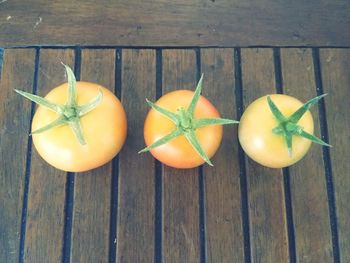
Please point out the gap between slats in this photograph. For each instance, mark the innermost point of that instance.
(1, 59)
(201, 191)
(158, 226)
(115, 169)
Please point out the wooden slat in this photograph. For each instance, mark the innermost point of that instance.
(135, 230)
(222, 187)
(17, 72)
(307, 177)
(180, 186)
(335, 64)
(268, 233)
(92, 193)
(183, 22)
(46, 197)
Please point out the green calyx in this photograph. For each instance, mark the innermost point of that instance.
(186, 124)
(288, 127)
(68, 114)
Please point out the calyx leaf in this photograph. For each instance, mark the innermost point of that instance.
(186, 124)
(68, 114)
(288, 127)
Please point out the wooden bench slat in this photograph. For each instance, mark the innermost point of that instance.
(180, 186)
(268, 229)
(17, 73)
(335, 65)
(92, 190)
(177, 23)
(46, 197)
(307, 177)
(224, 232)
(135, 230)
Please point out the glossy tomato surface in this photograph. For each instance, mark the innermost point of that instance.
(104, 129)
(261, 144)
(178, 152)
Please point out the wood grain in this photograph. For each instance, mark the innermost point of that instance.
(176, 23)
(268, 233)
(135, 230)
(307, 177)
(335, 64)
(92, 193)
(222, 187)
(180, 186)
(17, 72)
(46, 197)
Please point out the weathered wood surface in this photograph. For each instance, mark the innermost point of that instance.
(307, 177)
(15, 115)
(46, 194)
(137, 210)
(163, 23)
(335, 66)
(268, 224)
(180, 204)
(92, 190)
(135, 229)
(222, 186)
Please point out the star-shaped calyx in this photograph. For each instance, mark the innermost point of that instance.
(68, 114)
(186, 124)
(288, 127)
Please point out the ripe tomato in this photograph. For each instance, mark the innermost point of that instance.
(264, 137)
(198, 129)
(178, 152)
(103, 129)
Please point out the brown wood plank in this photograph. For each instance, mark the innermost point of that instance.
(180, 186)
(307, 177)
(17, 72)
(46, 197)
(92, 193)
(268, 233)
(335, 64)
(176, 23)
(222, 187)
(135, 229)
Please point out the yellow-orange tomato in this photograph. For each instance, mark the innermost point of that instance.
(261, 144)
(104, 130)
(178, 152)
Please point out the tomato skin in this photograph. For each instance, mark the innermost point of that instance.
(179, 153)
(104, 129)
(261, 144)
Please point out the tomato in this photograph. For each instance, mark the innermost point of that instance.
(184, 151)
(103, 129)
(179, 153)
(263, 132)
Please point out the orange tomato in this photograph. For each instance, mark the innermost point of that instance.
(104, 129)
(178, 152)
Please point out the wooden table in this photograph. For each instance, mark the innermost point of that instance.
(134, 209)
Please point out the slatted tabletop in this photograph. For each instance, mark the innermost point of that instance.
(135, 209)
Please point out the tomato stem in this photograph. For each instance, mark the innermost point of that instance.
(186, 124)
(71, 112)
(288, 127)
